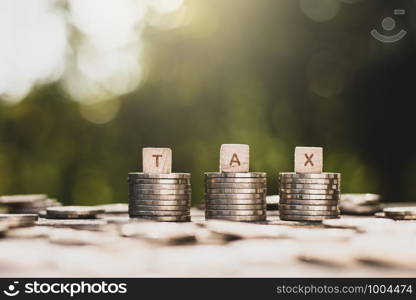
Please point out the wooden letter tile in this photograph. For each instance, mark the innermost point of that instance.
(308, 159)
(234, 158)
(157, 160)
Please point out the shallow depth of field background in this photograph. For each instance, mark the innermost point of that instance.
(84, 85)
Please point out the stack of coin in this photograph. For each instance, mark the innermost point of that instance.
(400, 213)
(360, 204)
(28, 204)
(160, 197)
(235, 196)
(309, 196)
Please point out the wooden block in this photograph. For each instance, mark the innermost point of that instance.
(234, 158)
(157, 160)
(308, 159)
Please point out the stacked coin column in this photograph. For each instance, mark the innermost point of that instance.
(157, 194)
(235, 194)
(308, 194)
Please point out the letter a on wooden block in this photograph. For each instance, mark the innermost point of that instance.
(308, 159)
(157, 160)
(234, 158)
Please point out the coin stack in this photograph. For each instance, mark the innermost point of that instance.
(160, 197)
(235, 196)
(309, 196)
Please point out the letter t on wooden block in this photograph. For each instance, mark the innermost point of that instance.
(157, 160)
(308, 159)
(234, 158)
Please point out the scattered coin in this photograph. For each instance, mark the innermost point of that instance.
(73, 212)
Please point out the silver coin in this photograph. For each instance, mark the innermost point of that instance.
(234, 180)
(165, 218)
(140, 197)
(310, 175)
(159, 181)
(252, 212)
(236, 191)
(160, 207)
(161, 186)
(160, 213)
(134, 175)
(162, 192)
(235, 207)
(309, 181)
(161, 202)
(305, 218)
(307, 212)
(235, 175)
(400, 211)
(309, 186)
(70, 212)
(235, 186)
(10, 199)
(234, 201)
(401, 217)
(18, 220)
(308, 192)
(333, 197)
(235, 196)
(238, 218)
(308, 207)
(360, 199)
(308, 202)
(85, 224)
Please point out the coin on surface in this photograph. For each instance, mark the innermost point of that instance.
(73, 212)
(9, 199)
(400, 211)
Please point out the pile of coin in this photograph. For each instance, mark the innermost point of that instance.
(235, 196)
(160, 197)
(360, 204)
(309, 197)
(27, 204)
(400, 213)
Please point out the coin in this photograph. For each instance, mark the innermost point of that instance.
(135, 175)
(309, 192)
(308, 212)
(166, 218)
(360, 199)
(234, 180)
(234, 201)
(323, 175)
(162, 192)
(252, 212)
(309, 186)
(401, 217)
(140, 197)
(238, 218)
(8, 199)
(159, 181)
(161, 202)
(161, 186)
(160, 213)
(161, 207)
(235, 175)
(308, 202)
(73, 212)
(309, 181)
(308, 207)
(288, 217)
(235, 207)
(236, 191)
(235, 185)
(236, 196)
(18, 220)
(309, 197)
(85, 224)
(400, 211)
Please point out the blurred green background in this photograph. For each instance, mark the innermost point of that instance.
(273, 74)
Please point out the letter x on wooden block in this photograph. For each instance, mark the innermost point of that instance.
(234, 158)
(157, 160)
(308, 159)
